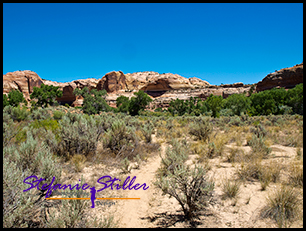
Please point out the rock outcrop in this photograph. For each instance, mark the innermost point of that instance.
(68, 88)
(112, 82)
(161, 87)
(24, 81)
(286, 77)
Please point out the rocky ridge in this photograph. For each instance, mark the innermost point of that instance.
(286, 77)
(161, 87)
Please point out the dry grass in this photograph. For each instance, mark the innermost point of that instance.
(283, 206)
(230, 188)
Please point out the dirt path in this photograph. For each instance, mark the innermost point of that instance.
(133, 212)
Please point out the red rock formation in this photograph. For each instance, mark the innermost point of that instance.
(22, 80)
(112, 82)
(286, 77)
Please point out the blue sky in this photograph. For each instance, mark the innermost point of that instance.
(219, 43)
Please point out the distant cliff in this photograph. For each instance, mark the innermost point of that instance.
(161, 87)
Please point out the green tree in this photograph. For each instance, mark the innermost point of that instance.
(94, 100)
(139, 102)
(238, 103)
(44, 95)
(14, 98)
(214, 103)
(294, 98)
(178, 107)
(262, 103)
(122, 103)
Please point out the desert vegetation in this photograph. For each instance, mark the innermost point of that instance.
(234, 162)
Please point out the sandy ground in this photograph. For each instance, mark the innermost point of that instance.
(157, 210)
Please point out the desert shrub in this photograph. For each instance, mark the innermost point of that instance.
(17, 205)
(258, 130)
(126, 168)
(78, 161)
(282, 206)
(78, 135)
(235, 121)
(235, 155)
(40, 114)
(118, 137)
(17, 113)
(258, 146)
(230, 188)
(72, 214)
(57, 115)
(147, 130)
(21, 209)
(295, 175)
(250, 170)
(190, 187)
(201, 130)
(10, 130)
(174, 156)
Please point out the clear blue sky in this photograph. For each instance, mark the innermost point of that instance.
(219, 43)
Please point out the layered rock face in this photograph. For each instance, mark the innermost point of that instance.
(286, 77)
(24, 81)
(112, 82)
(161, 87)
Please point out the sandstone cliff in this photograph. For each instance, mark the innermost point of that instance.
(161, 87)
(21, 80)
(286, 77)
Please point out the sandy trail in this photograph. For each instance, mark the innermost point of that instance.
(133, 212)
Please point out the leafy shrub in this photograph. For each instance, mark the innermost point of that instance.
(45, 95)
(14, 98)
(238, 103)
(138, 103)
(94, 100)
